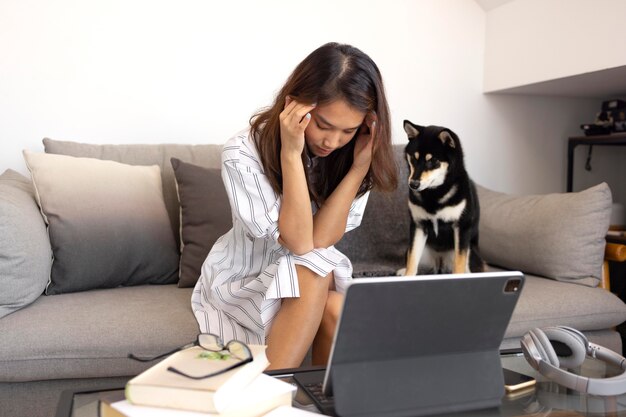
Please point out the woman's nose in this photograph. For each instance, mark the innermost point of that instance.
(331, 141)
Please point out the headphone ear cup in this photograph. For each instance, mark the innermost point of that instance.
(544, 347)
(575, 342)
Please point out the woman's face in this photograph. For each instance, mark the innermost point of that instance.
(332, 126)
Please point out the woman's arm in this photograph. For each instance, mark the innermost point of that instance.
(295, 220)
(329, 223)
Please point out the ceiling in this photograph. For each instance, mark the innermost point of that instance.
(491, 4)
(605, 84)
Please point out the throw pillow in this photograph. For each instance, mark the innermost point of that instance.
(204, 216)
(559, 236)
(146, 154)
(25, 253)
(107, 223)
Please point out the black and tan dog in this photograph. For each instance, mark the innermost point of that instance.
(443, 204)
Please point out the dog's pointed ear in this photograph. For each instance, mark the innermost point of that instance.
(412, 130)
(447, 139)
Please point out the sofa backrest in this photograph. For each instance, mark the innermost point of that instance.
(379, 245)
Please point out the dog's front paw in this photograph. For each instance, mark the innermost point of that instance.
(401, 272)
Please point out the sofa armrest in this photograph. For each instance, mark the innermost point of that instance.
(615, 252)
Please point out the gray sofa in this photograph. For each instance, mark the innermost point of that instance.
(79, 339)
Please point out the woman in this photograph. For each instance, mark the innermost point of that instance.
(297, 180)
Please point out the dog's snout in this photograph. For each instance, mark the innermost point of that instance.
(414, 185)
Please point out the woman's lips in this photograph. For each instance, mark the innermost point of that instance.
(324, 152)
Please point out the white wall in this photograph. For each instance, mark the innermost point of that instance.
(533, 41)
(530, 41)
(193, 71)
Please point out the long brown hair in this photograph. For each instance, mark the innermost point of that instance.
(331, 72)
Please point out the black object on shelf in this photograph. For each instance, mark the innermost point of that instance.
(611, 119)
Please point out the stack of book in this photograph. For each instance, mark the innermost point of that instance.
(241, 392)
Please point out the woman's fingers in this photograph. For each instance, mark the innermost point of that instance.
(296, 114)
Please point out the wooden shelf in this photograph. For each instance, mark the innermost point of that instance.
(614, 139)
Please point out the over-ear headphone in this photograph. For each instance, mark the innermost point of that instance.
(540, 348)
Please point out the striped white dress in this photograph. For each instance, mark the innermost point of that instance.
(247, 271)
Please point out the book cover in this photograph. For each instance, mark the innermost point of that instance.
(159, 387)
(261, 396)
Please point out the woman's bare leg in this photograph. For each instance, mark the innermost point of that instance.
(297, 321)
(324, 337)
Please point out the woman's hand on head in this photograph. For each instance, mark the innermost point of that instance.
(365, 143)
(294, 119)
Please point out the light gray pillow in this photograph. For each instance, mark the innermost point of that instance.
(559, 236)
(107, 223)
(25, 253)
(205, 155)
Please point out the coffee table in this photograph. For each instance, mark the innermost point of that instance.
(545, 399)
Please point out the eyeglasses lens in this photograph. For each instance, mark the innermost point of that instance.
(210, 342)
(239, 350)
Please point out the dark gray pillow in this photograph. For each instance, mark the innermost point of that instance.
(107, 223)
(25, 253)
(204, 216)
(559, 236)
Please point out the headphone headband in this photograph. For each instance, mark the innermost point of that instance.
(539, 352)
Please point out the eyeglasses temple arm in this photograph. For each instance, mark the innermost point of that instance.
(144, 359)
(221, 371)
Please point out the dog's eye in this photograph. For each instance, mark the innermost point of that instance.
(432, 164)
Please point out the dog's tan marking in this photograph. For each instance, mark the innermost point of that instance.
(443, 200)
(434, 178)
(429, 156)
(461, 258)
(415, 252)
(411, 169)
(417, 155)
(461, 262)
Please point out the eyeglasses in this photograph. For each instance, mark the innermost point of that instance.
(211, 343)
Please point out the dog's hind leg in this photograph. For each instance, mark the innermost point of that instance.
(461, 254)
(414, 254)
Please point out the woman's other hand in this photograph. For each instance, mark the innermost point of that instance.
(365, 143)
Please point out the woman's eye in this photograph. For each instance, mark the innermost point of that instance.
(320, 127)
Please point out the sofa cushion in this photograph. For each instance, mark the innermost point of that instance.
(204, 216)
(25, 253)
(150, 154)
(559, 236)
(107, 223)
(149, 320)
(93, 332)
(544, 302)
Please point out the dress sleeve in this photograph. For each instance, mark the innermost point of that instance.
(355, 215)
(252, 199)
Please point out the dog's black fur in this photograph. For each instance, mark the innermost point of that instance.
(443, 204)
